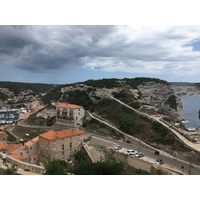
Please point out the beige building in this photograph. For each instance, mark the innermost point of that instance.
(60, 145)
(69, 114)
(27, 152)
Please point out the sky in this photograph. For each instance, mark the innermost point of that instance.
(63, 54)
(103, 40)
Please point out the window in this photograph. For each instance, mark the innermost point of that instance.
(63, 140)
(63, 146)
(30, 147)
(63, 153)
(54, 148)
(79, 142)
(21, 154)
(70, 145)
(54, 142)
(70, 138)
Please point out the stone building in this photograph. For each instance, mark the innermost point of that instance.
(60, 145)
(27, 152)
(69, 114)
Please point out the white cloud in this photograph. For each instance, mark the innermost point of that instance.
(141, 49)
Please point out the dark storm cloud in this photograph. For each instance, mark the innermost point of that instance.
(14, 38)
(109, 48)
(41, 48)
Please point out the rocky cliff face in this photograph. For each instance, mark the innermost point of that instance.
(161, 96)
(186, 88)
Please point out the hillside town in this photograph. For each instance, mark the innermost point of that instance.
(51, 144)
(59, 129)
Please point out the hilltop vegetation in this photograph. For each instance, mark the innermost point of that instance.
(18, 87)
(55, 94)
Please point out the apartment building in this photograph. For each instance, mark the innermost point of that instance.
(60, 145)
(69, 114)
(27, 152)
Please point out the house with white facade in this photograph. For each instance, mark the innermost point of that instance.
(69, 114)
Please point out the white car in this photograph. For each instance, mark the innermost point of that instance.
(118, 147)
(131, 152)
(159, 161)
(139, 154)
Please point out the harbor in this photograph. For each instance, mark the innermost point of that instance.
(8, 116)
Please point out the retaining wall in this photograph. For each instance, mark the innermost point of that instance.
(30, 167)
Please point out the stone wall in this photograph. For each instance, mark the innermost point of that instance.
(30, 167)
(97, 141)
(132, 161)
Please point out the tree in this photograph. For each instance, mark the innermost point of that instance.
(99, 168)
(55, 167)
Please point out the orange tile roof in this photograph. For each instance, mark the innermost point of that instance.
(2, 144)
(11, 146)
(5, 146)
(67, 105)
(1, 133)
(52, 135)
(34, 140)
(13, 152)
(35, 155)
(18, 157)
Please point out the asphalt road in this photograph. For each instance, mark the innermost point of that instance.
(169, 161)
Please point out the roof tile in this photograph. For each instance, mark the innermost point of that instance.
(52, 135)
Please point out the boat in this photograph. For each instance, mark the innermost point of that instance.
(184, 121)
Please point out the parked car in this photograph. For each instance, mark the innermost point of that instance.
(118, 147)
(159, 161)
(157, 152)
(139, 154)
(131, 152)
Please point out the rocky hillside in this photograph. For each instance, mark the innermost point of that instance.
(184, 88)
(149, 95)
(139, 92)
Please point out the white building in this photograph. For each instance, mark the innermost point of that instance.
(69, 114)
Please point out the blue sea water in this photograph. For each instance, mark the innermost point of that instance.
(191, 106)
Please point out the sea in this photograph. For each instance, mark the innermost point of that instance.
(191, 107)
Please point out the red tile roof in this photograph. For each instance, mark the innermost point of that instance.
(52, 135)
(1, 133)
(34, 140)
(67, 105)
(18, 157)
(35, 155)
(5, 146)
